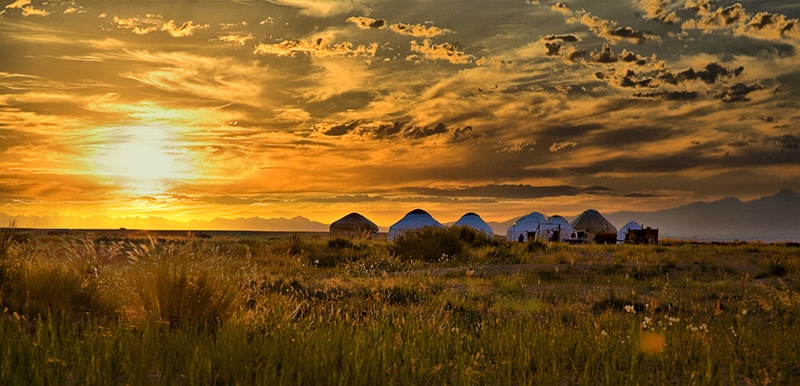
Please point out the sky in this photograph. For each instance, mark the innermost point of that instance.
(203, 109)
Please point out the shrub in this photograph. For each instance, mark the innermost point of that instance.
(429, 244)
(472, 237)
(6, 242)
(536, 245)
(340, 243)
(774, 268)
(58, 291)
(57, 279)
(188, 285)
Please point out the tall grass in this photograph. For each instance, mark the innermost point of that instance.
(257, 311)
(188, 284)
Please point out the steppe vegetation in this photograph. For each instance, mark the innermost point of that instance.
(434, 307)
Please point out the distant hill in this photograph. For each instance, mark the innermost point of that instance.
(295, 224)
(770, 218)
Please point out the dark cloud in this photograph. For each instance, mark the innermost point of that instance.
(743, 142)
(566, 52)
(566, 38)
(669, 95)
(553, 48)
(575, 54)
(417, 132)
(345, 198)
(605, 55)
(629, 33)
(786, 141)
(631, 80)
(404, 129)
(515, 191)
(642, 195)
(462, 135)
(707, 157)
(630, 57)
(607, 29)
(738, 92)
(710, 74)
(389, 130)
(340, 130)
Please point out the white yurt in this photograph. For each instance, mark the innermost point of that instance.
(415, 219)
(527, 223)
(592, 222)
(624, 230)
(559, 226)
(353, 225)
(474, 221)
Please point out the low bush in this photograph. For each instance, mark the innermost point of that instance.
(186, 285)
(429, 244)
(56, 290)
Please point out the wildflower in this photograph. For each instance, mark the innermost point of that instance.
(629, 309)
(744, 311)
(603, 333)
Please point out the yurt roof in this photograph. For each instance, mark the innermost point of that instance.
(631, 225)
(593, 222)
(534, 217)
(555, 222)
(624, 230)
(354, 221)
(417, 218)
(475, 221)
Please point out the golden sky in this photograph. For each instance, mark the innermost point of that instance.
(195, 110)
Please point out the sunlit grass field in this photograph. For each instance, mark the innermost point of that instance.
(434, 307)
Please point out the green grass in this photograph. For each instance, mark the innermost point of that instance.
(270, 312)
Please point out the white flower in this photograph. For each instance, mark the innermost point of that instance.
(629, 309)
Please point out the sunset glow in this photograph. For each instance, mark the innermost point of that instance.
(143, 160)
(282, 108)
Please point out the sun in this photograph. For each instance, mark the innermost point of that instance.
(143, 159)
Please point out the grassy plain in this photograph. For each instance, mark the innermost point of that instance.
(437, 307)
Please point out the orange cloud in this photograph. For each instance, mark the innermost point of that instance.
(319, 47)
(417, 30)
(443, 51)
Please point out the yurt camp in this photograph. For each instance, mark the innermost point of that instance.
(415, 219)
(592, 226)
(528, 223)
(475, 221)
(353, 225)
(556, 228)
(623, 232)
(633, 233)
